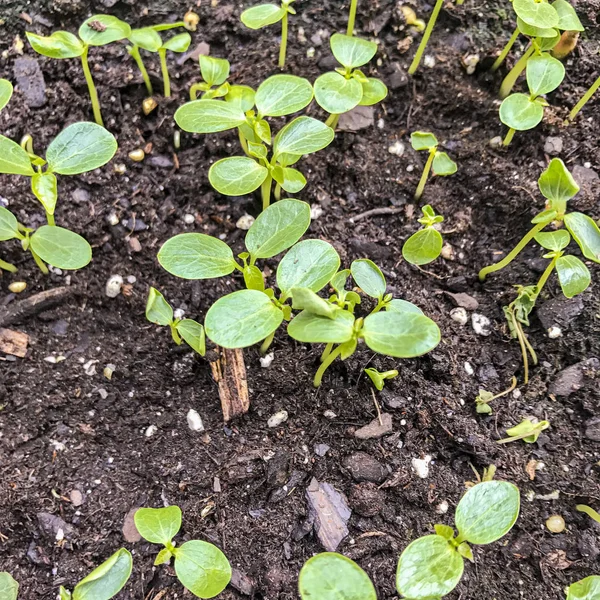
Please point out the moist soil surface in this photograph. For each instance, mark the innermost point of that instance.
(68, 435)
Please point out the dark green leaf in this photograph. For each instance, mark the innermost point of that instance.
(105, 582)
(13, 159)
(351, 51)
(209, 116)
(586, 233)
(44, 187)
(6, 91)
(368, 277)
(215, 71)
(586, 589)
(282, 95)
(423, 247)
(146, 38)
(236, 175)
(262, 15)
(178, 43)
(9, 226)
(158, 525)
(61, 248)
(303, 135)
(553, 240)
(544, 74)
(193, 335)
(61, 44)
(313, 329)
(158, 310)
(573, 276)
(100, 30)
(373, 91)
(422, 140)
(556, 183)
(336, 94)
(521, 113)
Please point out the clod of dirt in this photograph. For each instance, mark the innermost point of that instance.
(398, 77)
(363, 467)
(367, 499)
(30, 80)
(573, 378)
(592, 429)
(463, 300)
(54, 527)
(356, 119)
(242, 583)
(376, 428)
(560, 311)
(130, 532)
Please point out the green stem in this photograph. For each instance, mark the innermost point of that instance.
(134, 52)
(509, 137)
(506, 50)
(266, 344)
(585, 99)
(332, 121)
(91, 87)
(521, 337)
(327, 351)
(50, 219)
(194, 91)
(513, 253)
(430, 25)
(545, 275)
(284, 36)
(352, 17)
(324, 366)
(277, 192)
(243, 142)
(509, 81)
(6, 266)
(39, 262)
(167, 26)
(175, 335)
(425, 175)
(162, 54)
(265, 192)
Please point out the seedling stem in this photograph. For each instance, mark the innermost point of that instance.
(265, 192)
(325, 365)
(91, 87)
(162, 54)
(585, 99)
(39, 262)
(425, 175)
(332, 121)
(430, 25)
(266, 344)
(352, 17)
(509, 137)
(134, 52)
(167, 26)
(7, 266)
(515, 72)
(506, 50)
(284, 36)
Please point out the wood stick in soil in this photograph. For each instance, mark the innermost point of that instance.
(229, 372)
(23, 309)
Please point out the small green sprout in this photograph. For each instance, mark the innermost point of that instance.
(425, 245)
(178, 43)
(264, 15)
(200, 566)
(9, 588)
(589, 511)
(584, 100)
(586, 589)
(215, 72)
(104, 582)
(432, 566)
(160, 312)
(332, 576)
(528, 430)
(379, 378)
(341, 90)
(483, 399)
(147, 39)
(352, 17)
(6, 92)
(437, 162)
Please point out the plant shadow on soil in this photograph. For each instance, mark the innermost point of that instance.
(63, 429)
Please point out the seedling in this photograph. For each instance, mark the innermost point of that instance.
(99, 30)
(584, 100)
(9, 588)
(425, 245)
(160, 312)
(586, 589)
(437, 162)
(104, 582)
(482, 401)
(432, 566)
(378, 378)
(331, 576)
(589, 511)
(352, 17)
(341, 90)
(215, 72)
(264, 15)
(520, 112)
(6, 92)
(528, 430)
(79, 148)
(200, 567)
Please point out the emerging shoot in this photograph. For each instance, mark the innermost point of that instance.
(483, 399)
(379, 378)
(584, 100)
(528, 430)
(425, 245)
(437, 162)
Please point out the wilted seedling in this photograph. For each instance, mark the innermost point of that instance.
(200, 566)
(425, 245)
(528, 430)
(437, 162)
(341, 90)
(432, 566)
(483, 399)
(215, 72)
(104, 582)
(379, 378)
(6, 92)
(9, 588)
(586, 589)
(584, 100)
(590, 512)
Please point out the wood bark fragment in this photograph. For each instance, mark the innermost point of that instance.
(23, 309)
(229, 371)
(13, 342)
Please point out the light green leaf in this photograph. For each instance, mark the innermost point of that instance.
(262, 15)
(282, 95)
(202, 568)
(303, 135)
(257, 150)
(80, 148)
(428, 568)
(336, 94)
(538, 14)
(368, 277)
(397, 305)
(241, 96)
(351, 51)
(544, 74)
(209, 116)
(105, 582)
(423, 247)
(313, 329)
(567, 17)
(520, 113)
(13, 159)
(556, 183)
(61, 44)
(585, 589)
(242, 319)
(254, 278)
(163, 557)
(422, 140)
(9, 588)
(215, 71)
(44, 187)
(374, 91)
(64, 594)
(546, 216)
(403, 335)
(338, 281)
(331, 576)
(6, 91)
(553, 240)
(146, 38)
(178, 43)
(263, 131)
(444, 531)
(285, 160)
(547, 43)
(158, 525)
(535, 32)
(586, 233)
(573, 276)
(193, 335)
(487, 511)
(158, 310)
(9, 226)
(443, 165)
(196, 256)
(100, 30)
(293, 180)
(305, 299)
(278, 228)
(61, 248)
(236, 175)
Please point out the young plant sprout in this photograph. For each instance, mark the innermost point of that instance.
(99, 30)
(79, 148)
(341, 90)
(483, 399)
(200, 566)
(6, 92)
(9, 588)
(379, 378)
(332, 576)
(147, 39)
(104, 582)
(437, 162)
(584, 100)
(527, 430)
(178, 43)
(160, 312)
(425, 245)
(215, 72)
(264, 15)
(432, 566)
(590, 512)
(352, 17)
(521, 112)
(586, 589)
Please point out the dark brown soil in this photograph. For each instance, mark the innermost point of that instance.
(62, 429)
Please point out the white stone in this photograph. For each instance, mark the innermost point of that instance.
(194, 420)
(189, 219)
(421, 466)
(151, 430)
(460, 315)
(447, 252)
(265, 361)
(496, 142)
(60, 535)
(481, 324)
(429, 61)
(277, 419)
(554, 332)
(329, 414)
(114, 285)
(245, 222)
(112, 218)
(315, 211)
(397, 148)
(178, 313)
(442, 507)
(469, 368)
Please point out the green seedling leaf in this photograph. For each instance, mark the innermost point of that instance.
(519, 112)
(535, 32)
(338, 281)
(423, 247)
(331, 576)
(465, 551)
(368, 277)
(282, 95)
(9, 226)
(262, 15)
(556, 183)
(402, 306)
(573, 276)
(105, 582)
(278, 228)
(293, 181)
(351, 51)
(553, 240)
(193, 335)
(61, 248)
(215, 71)
(544, 74)
(13, 159)
(61, 44)
(241, 96)
(178, 43)
(527, 430)
(146, 38)
(64, 594)
(373, 91)
(253, 278)
(313, 329)
(196, 256)
(9, 588)
(428, 568)
(567, 17)
(158, 310)
(403, 335)
(586, 233)
(336, 94)
(422, 140)
(202, 568)
(586, 589)
(444, 531)
(100, 30)
(242, 319)
(236, 175)
(487, 512)
(80, 148)
(303, 135)
(163, 557)
(44, 187)
(305, 299)
(547, 44)
(6, 92)
(443, 165)
(379, 378)
(546, 216)
(158, 525)
(538, 14)
(209, 116)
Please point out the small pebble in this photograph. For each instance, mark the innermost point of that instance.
(150, 431)
(265, 361)
(329, 414)
(120, 169)
(277, 419)
(553, 145)
(189, 219)
(554, 332)
(555, 524)
(447, 252)
(245, 222)
(76, 497)
(178, 313)
(194, 420)
(397, 148)
(429, 61)
(315, 211)
(112, 218)
(442, 508)
(16, 287)
(496, 142)
(481, 324)
(114, 285)
(469, 368)
(421, 466)
(459, 314)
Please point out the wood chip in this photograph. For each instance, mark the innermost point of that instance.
(13, 342)
(229, 371)
(23, 309)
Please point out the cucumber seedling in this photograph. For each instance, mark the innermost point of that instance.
(9, 588)
(378, 378)
(589, 511)
(438, 163)
(528, 430)
(483, 399)
(6, 92)
(200, 566)
(584, 99)
(341, 90)
(425, 245)
(585, 589)
(215, 72)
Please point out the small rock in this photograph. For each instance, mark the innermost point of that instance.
(585, 176)
(397, 148)
(469, 370)
(245, 222)
(53, 526)
(315, 211)
(421, 466)
(560, 311)
(150, 430)
(76, 497)
(496, 142)
(267, 360)
(397, 78)
(329, 414)
(130, 532)
(572, 378)
(442, 507)
(447, 252)
(459, 315)
(60, 327)
(592, 429)
(242, 583)
(135, 245)
(429, 61)
(321, 449)
(80, 196)
(553, 146)
(114, 285)
(463, 300)
(160, 161)
(367, 499)
(481, 324)
(356, 119)
(194, 420)
(189, 219)
(554, 333)
(376, 428)
(30, 80)
(363, 467)
(277, 419)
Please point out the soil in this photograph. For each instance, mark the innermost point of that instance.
(64, 427)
